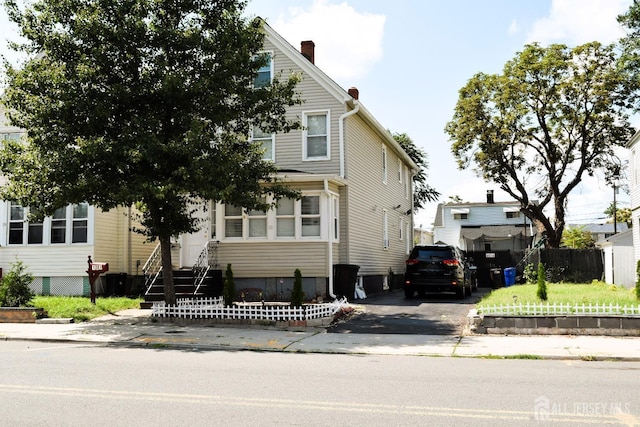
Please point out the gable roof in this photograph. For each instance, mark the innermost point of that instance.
(336, 91)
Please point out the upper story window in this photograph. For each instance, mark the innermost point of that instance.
(265, 73)
(407, 183)
(400, 171)
(68, 224)
(266, 140)
(316, 141)
(513, 214)
(384, 164)
(460, 216)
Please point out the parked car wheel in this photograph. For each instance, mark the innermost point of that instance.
(408, 293)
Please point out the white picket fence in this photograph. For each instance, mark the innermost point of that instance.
(533, 309)
(214, 308)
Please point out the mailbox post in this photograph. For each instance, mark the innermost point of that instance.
(94, 271)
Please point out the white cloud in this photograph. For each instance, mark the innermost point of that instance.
(348, 42)
(514, 27)
(575, 22)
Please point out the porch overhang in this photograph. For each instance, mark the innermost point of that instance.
(492, 232)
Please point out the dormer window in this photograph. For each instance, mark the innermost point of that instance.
(511, 212)
(460, 213)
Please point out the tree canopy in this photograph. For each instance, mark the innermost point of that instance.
(553, 115)
(142, 102)
(422, 191)
(577, 237)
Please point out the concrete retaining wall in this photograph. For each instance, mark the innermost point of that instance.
(554, 325)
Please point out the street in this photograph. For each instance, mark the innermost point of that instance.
(392, 313)
(65, 384)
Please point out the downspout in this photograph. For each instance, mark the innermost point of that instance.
(341, 131)
(341, 120)
(329, 240)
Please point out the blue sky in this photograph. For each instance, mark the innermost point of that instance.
(409, 58)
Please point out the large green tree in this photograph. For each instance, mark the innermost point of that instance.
(422, 191)
(552, 116)
(142, 102)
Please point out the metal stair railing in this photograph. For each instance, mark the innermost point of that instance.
(152, 269)
(531, 251)
(207, 258)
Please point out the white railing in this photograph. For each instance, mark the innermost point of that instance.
(214, 308)
(152, 268)
(201, 268)
(533, 309)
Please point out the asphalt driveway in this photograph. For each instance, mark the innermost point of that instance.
(392, 313)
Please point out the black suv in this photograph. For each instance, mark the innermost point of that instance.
(437, 268)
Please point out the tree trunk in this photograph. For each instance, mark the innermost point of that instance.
(167, 271)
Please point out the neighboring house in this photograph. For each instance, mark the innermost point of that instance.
(422, 236)
(634, 188)
(487, 226)
(356, 185)
(56, 250)
(601, 231)
(619, 268)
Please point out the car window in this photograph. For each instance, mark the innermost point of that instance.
(434, 254)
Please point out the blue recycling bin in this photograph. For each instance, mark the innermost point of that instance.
(509, 276)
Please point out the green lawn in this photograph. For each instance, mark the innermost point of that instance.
(596, 292)
(80, 308)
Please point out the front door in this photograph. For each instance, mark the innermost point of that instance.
(193, 244)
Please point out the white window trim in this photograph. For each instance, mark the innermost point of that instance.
(400, 170)
(305, 114)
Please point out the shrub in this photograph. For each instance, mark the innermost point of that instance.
(542, 283)
(297, 295)
(14, 289)
(530, 274)
(229, 292)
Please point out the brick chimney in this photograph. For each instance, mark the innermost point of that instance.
(353, 91)
(489, 196)
(307, 49)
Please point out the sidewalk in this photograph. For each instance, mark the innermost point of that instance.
(136, 328)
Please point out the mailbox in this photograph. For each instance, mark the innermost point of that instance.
(94, 271)
(99, 267)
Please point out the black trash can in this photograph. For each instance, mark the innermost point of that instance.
(344, 280)
(116, 284)
(496, 278)
(215, 283)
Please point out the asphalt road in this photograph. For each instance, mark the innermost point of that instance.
(63, 384)
(392, 313)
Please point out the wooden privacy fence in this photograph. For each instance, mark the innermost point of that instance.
(541, 309)
(214, 308)
(564, 264)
